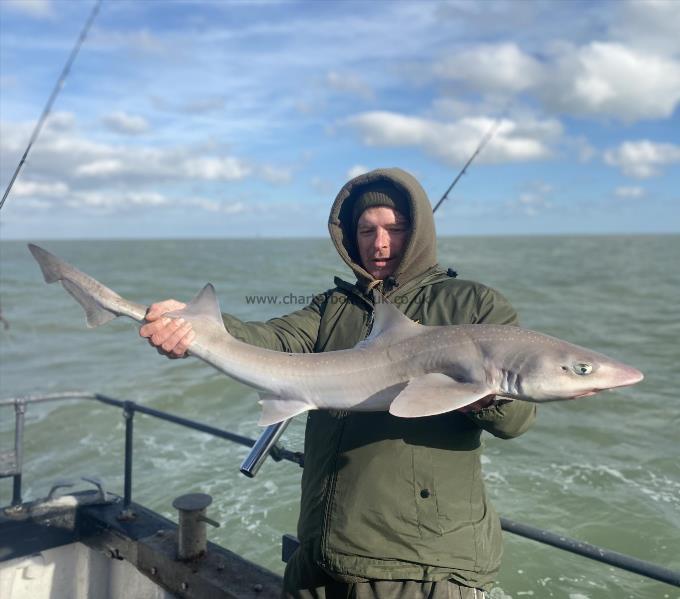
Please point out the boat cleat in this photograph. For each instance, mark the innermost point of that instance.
(68, 501)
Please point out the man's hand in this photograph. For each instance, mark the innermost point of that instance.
(170, 336)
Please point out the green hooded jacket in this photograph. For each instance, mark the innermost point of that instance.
(385, 497)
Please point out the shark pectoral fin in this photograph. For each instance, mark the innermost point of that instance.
(275, 409)
(434, 393)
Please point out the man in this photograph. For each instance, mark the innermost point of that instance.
(390, 507)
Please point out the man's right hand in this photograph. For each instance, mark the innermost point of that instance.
(170, 336)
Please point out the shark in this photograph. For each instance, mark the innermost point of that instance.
(406, 368)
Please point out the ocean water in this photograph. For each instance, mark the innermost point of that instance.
(605, 469)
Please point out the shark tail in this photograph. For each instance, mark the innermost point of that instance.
(52, 267)
(100, 303)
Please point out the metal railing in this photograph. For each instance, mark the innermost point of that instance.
(11, 466)
(130, 408)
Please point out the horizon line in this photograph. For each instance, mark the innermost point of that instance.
(319, 237)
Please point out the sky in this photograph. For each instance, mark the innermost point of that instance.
(221, 118)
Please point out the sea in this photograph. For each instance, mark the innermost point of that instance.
(604, 469)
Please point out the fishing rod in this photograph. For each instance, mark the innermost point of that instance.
(53, 96)
(485, 140)
(269, 437)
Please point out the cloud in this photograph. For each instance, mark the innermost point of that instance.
(491, 68)
(214, 168)
(38, 189)
(202, 105)
(219, 207)
(603, 79)
(642, 159)
(276, 175)
(532, 203)
(127, 124)
(45, 195)
(61, 121)
(68, 155)
(100, 168)
(39, 9)
(209, 104)
(630, 192)
(612, 80)
(140, 41)
(454, 142)
(76, 171)
(160, 163)
(652, 25)
(111, 200)
(533, 200)
(356, 170)
(350, 83)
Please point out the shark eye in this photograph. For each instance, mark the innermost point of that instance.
(582, 368)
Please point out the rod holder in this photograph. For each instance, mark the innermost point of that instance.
(262, 448)
(191, 537)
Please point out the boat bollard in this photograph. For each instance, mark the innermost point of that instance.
(191, 535)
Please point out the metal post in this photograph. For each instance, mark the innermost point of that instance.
(191, 533)
(128, 414)
(20, 411)
(16, 489)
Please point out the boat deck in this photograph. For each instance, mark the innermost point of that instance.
(90, 551)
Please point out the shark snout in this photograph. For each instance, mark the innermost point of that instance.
(622, 375)
(630, 376)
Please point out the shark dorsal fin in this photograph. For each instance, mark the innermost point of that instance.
(205, 306)
(389, 324)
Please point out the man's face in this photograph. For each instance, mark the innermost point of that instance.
(382, 233)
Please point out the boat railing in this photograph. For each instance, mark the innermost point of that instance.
(11, 466)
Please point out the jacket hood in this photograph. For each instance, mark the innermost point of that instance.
(420, 253)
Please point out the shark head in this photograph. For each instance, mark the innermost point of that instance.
(567, 371)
